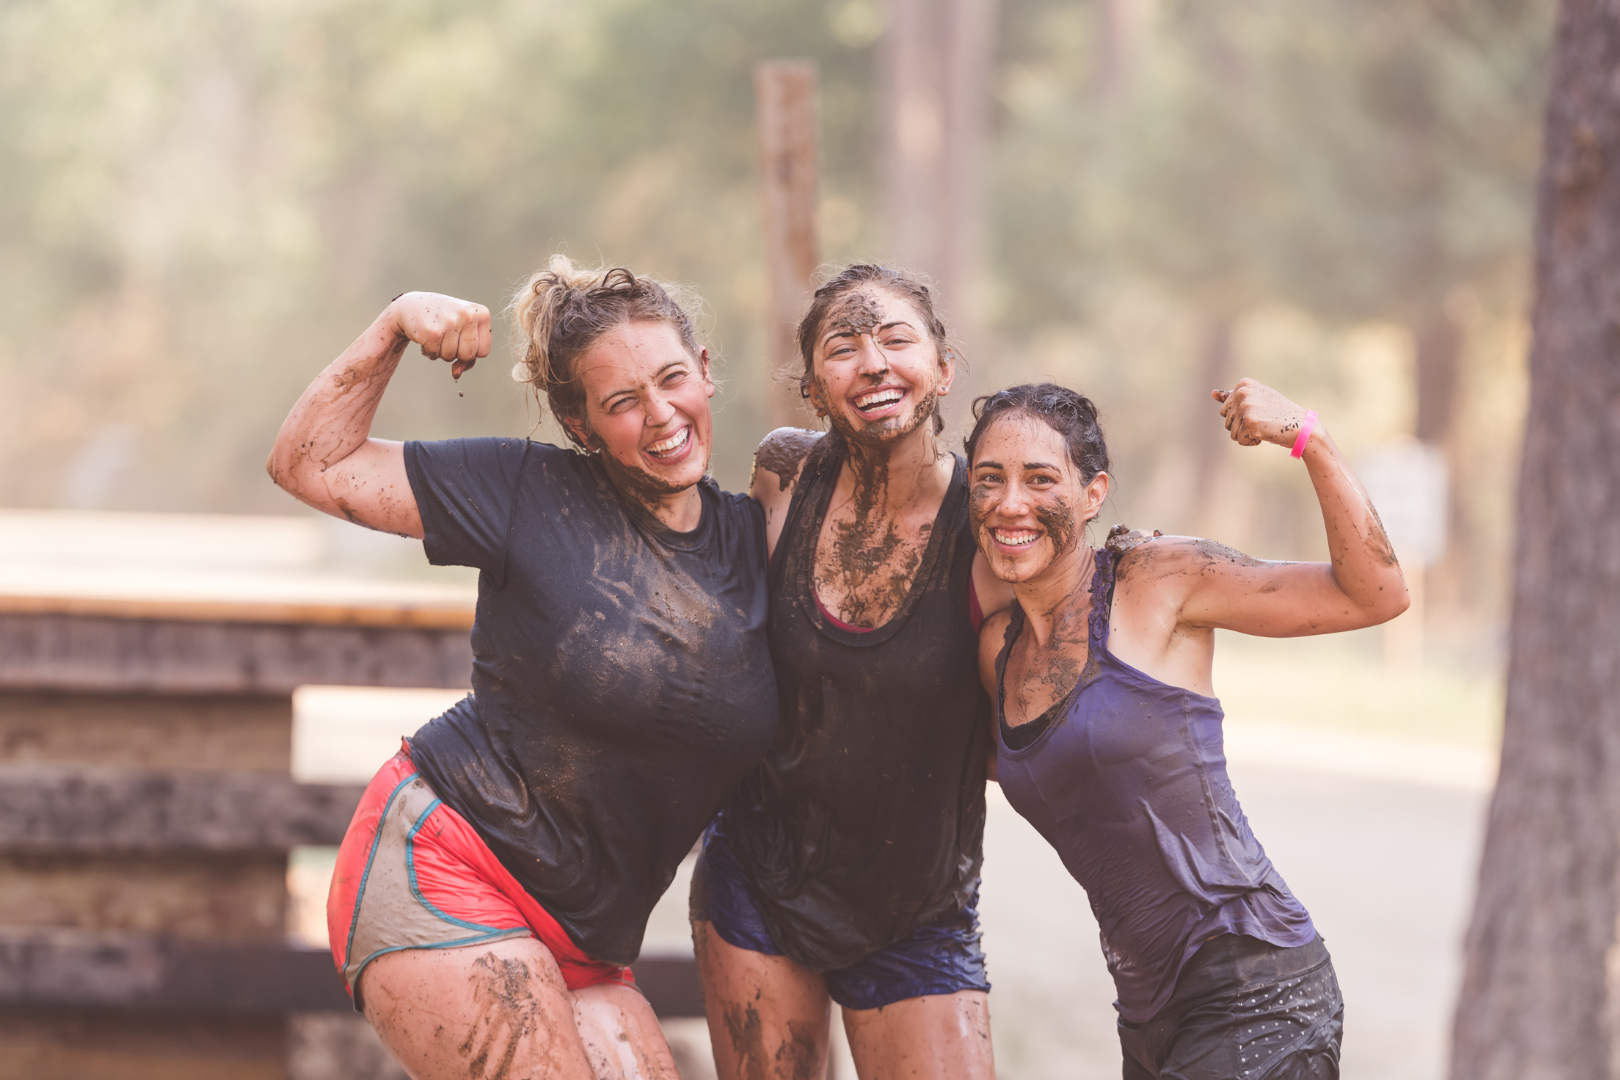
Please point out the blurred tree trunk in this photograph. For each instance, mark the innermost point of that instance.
(1205, 438)
(1541, 990)
(1121, 32)
(938, 60)
(1438, 345)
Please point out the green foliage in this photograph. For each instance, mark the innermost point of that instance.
(202, 203)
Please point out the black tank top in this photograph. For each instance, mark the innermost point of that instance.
(866, 819)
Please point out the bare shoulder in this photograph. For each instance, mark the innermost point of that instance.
(1169, 569)
(779, 458)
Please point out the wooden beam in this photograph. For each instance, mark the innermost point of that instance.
(148, 731)
(80, 1044)
(130, 972)
(93, 653)
(670, 983)
(136, 973)
(785, 101)
(194, 895)
(60, 808)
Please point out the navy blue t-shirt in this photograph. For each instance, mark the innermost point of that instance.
(622, 683)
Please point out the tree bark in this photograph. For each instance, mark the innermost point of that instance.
(785, 97)
(938, 61)
(1541, 990)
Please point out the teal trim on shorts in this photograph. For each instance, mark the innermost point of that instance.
(476, 939)
(416, 891)
(376, 838)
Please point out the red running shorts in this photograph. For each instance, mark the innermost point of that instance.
(412, 874)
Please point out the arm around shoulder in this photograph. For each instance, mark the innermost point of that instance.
(992, 635)
(778, 461)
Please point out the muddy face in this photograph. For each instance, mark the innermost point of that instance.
(877, 373)
(1029, 505)
(647, 410)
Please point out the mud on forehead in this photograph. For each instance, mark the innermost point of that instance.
(859, 311)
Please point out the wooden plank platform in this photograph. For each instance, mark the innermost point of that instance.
(147, 803)
(147, 974)
(65, 808)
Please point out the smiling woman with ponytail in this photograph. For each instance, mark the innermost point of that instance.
(498, 875)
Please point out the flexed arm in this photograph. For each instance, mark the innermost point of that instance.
(1361, 586)
(324, 455)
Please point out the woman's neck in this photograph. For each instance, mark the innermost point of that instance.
(898, 474)
(1059, 593)
(678, 511)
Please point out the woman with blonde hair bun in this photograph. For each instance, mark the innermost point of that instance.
(499, 872)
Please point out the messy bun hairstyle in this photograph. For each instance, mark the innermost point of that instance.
(1066, 412)
(564, 309)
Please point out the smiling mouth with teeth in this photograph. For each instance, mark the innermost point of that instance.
(878, 399)
(1015, 537)
(665, 447)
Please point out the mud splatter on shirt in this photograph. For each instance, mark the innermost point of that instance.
(622, 683)
(866, 819)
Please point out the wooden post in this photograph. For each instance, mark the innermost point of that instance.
(785, 100)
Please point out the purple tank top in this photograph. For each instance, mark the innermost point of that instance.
(1129, 784)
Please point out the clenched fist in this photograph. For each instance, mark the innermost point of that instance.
(445, 328)
(1255, 413)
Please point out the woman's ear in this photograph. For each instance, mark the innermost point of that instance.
(1097, 494)
(703, 366)
(947, 370)
(581, 431)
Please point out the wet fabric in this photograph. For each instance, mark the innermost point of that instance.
(1129, 784)
(866, 820)
(412, 874)
(941, 957)
(1244, 1010)
(622, 683)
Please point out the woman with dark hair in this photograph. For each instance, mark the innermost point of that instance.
(499, 872)
(1109, 736)
(847, 868)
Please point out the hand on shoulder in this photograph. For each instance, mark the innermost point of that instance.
(780, 456)
(777, 464)
(992, 636)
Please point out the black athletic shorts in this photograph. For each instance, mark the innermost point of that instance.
(1243, 1010)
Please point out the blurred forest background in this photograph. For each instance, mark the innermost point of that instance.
(202, 203)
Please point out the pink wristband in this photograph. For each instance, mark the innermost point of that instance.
(1305, 430)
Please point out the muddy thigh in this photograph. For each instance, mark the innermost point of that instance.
(939, 1037)
(768, 1017)
(485, 1012)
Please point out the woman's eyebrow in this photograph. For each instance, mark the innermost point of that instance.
(659, 374)
(849, 332)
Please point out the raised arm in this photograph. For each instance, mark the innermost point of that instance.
(324, 455)
(1219, 587)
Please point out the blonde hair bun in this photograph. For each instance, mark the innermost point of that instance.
(561, 311)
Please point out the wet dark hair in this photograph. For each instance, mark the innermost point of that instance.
(1070, 414)
(871, 275)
